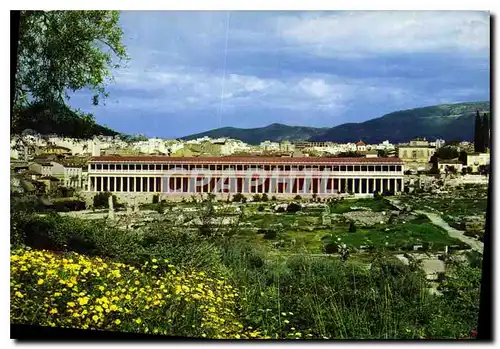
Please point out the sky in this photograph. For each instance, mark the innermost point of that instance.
(192, 71)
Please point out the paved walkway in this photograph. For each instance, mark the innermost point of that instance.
(454, 233)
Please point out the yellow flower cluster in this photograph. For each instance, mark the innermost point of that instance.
(72, 290)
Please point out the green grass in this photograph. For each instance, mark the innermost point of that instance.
(400, 236)
(458, 202)
(345, 205)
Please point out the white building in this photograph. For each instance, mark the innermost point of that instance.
(475, 160)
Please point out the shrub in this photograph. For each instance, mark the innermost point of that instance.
(69, 205)
(270, 234)
(293, 207)
(139, 299)
(101, 200)
(352, 227)
(273, 198)
(238, 197)
(297, 197)
(264, 197)
(331, 248)
(260, 208)
(257, 198)
(156, 198)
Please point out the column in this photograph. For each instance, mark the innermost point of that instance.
(141, 183)
(89, 185)
(154, 185)
(107, 183)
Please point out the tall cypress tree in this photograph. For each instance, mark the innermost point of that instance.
(478, 134)
(486, 130)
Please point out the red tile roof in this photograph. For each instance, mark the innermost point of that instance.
(244, 159)
(360, 143)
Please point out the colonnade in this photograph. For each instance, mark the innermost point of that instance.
(286, 185)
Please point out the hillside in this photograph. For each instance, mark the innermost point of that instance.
(58, 119)
(445, 121)
(273, 132)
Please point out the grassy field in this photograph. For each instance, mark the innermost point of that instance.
(296, 232)
(177, 281)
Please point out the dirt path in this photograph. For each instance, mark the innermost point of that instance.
(454, 233)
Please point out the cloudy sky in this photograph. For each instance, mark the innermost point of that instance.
(194, 71)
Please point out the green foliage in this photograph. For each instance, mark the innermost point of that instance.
(101, 200)
(57, 118)
(264, 198)
(260, 208)
(156, 198)
(238, 197)
(447, 153)
(273, 198)
(293, 207)
(297, 197)
(257, 198)
(299, 296)
(486, 131)
(352, 227)
(66, 205)
(62, 51)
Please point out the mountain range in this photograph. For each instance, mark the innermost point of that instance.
(444, 121)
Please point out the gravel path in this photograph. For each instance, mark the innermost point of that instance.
(454, 233)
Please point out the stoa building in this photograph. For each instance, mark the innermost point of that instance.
(279, 176)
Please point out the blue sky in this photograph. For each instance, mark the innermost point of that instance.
(194, 71)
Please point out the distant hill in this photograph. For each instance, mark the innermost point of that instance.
(273, 132)
(445, 121)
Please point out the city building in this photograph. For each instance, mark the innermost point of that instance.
(56, 150)
(475, 160)
(447, 165)
(360, 146)
(417, 154)
(185, 176)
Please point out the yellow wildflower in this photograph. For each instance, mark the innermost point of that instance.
(83, 300)
(40, 282)
(117, 321)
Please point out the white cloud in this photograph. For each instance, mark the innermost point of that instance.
(360, 33)
(183, 89)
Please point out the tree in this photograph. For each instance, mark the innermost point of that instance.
(446, 153)
(352, 227)
(486, 131)
(478, 134)
(382, 153)
(62, 51)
